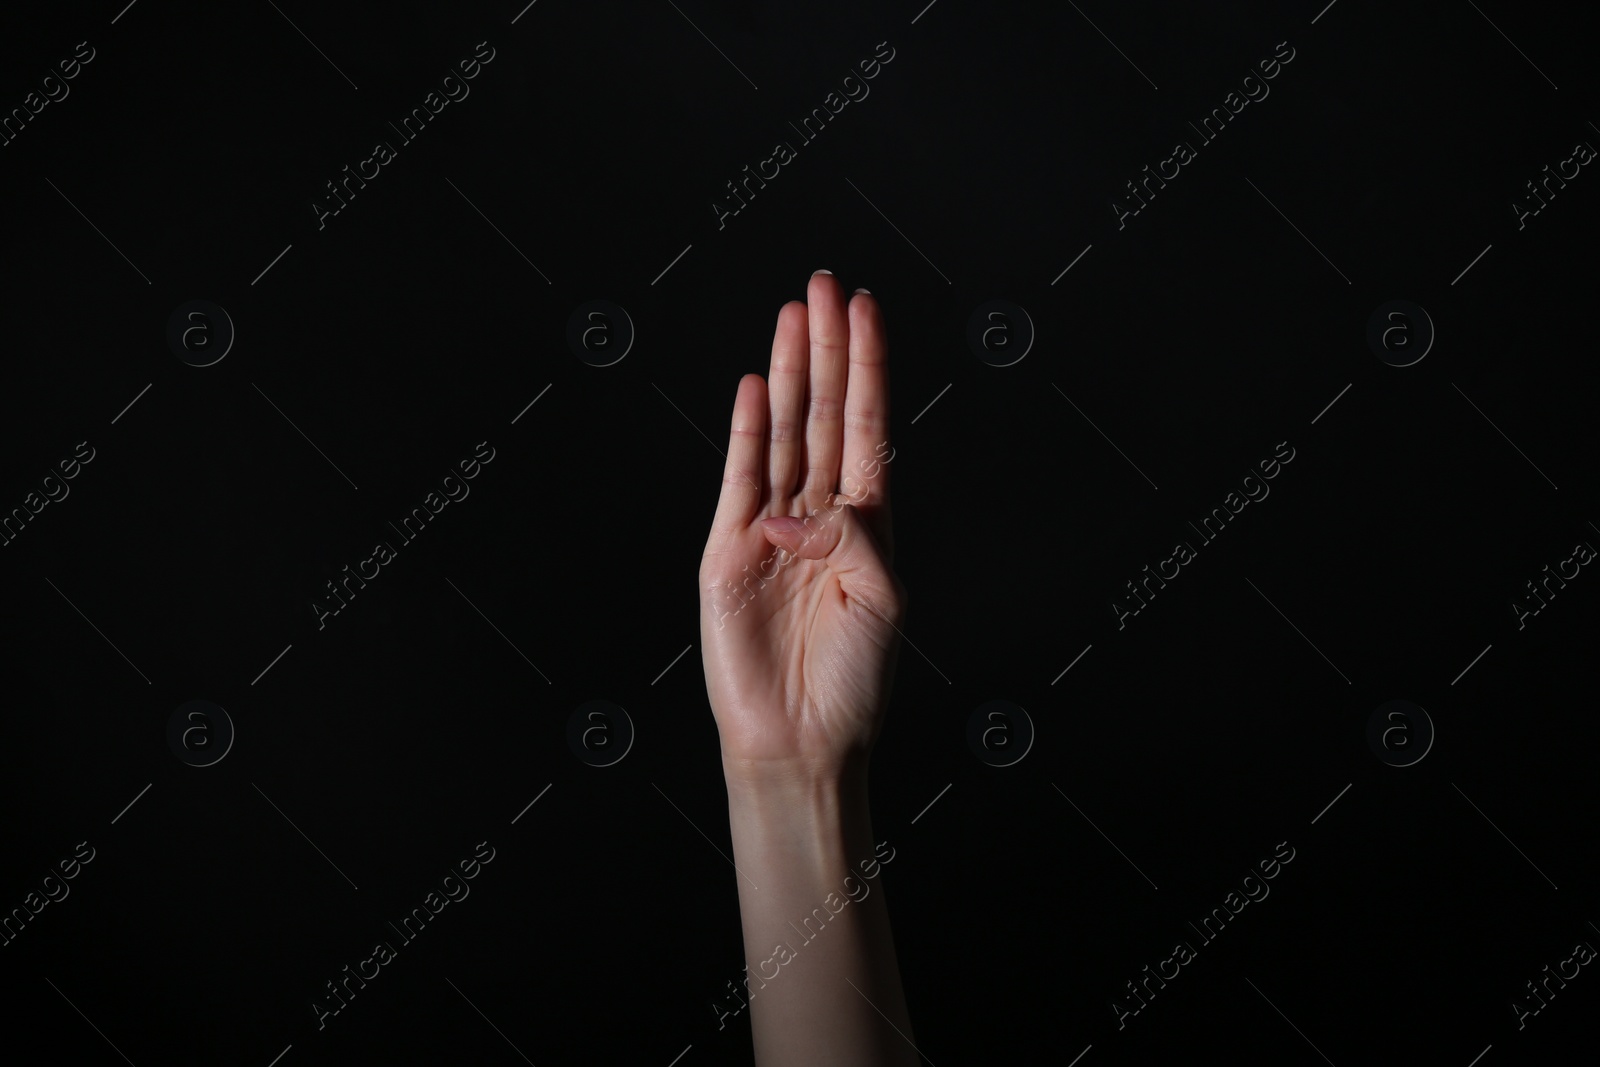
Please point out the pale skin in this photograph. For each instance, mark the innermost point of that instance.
(799, 664)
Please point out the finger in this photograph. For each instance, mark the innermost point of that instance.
(843, 538)
(747, 443)
(864, 475)
(830, 358)
(786, 384)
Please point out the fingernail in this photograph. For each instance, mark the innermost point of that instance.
(867, 291)
(817, 272)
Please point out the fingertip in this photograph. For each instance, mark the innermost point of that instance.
(751, 395)
(793, 325)
(864, 304)
(782, 531)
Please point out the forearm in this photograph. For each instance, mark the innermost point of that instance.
(803, 850)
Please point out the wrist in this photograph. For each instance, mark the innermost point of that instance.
(810, 825)
(795, 777)
(823, 800)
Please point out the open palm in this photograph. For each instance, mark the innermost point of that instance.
(800, 611)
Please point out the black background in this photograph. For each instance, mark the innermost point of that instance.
(1222, 720)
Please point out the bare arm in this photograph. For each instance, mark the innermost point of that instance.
(800, 614)
(824, 980)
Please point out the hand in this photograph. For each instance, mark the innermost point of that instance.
(799, 609)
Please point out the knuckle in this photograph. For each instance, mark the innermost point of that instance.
(863, 418)
(819, 480)
(826, 340)
(823, 409)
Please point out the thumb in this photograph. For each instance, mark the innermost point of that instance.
(841, 537)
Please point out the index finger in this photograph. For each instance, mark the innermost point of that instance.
(866, 406)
